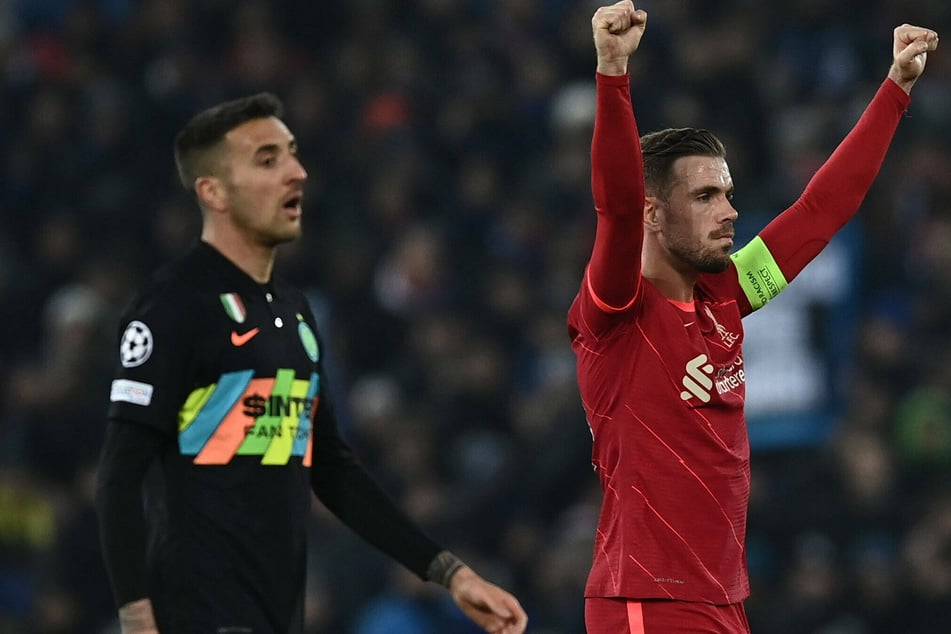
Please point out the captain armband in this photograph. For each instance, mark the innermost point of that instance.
(758, 273)
(443, 567)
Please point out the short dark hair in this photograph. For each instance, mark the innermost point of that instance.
(195, 142)
(660, 149)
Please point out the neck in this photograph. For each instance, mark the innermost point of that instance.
(256, 260)
(672, 279)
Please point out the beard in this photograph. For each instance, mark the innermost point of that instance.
(284, 234)
(704, 259)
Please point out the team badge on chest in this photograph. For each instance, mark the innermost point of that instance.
(307, 339)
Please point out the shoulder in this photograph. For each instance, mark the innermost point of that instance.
(287, 289)
(295, 296)
(172, 295)
(588, 316)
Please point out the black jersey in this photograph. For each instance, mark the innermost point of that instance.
(230, 371)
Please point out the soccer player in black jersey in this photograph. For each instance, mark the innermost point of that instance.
(220, 423)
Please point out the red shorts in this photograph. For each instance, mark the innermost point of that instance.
(623, 616)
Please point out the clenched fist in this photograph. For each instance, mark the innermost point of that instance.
(618, 29)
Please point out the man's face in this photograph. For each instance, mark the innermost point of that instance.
(697, 218)
(264, 181)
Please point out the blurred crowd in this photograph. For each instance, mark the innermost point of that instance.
(448, 218)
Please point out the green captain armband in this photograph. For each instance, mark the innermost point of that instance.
(758, 273)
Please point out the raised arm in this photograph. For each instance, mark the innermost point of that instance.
(617, 175)
(838, 188)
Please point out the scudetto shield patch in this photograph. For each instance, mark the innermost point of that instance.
(234, 306)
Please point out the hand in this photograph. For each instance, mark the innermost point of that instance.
(618, 29)
(910, 53)
(489, 606)
(136, 617)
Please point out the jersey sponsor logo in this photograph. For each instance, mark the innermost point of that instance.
(238, 340)
(134, 392)
(276, 431)
(244, 415)
(698, 379)
(258, 405)
(701, 382)
(136, 344)
(730, 377)
(234, 306)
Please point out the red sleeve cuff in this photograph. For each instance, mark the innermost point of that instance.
(623, 80)
(894, 91)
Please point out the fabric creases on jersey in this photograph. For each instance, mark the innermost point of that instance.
(248, 416)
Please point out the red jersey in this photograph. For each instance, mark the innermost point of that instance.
(662, 382)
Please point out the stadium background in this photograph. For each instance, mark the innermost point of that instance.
(447, 220)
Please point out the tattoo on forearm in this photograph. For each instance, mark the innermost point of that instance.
(443, 567)
(136, 618)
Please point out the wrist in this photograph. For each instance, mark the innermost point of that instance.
(136, 617)
(905, 84)
(443, 568)
(612, 67)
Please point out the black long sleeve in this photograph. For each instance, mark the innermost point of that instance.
(128, 451)
(347, 490)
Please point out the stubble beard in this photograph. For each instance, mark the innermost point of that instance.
(275, 238)
(280, 231)
(703, 259)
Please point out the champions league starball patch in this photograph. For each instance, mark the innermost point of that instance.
(135, 348)
(307, 339)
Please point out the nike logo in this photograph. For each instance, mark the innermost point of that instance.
(239, 340)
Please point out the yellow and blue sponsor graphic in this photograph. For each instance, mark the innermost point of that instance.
(241, 415)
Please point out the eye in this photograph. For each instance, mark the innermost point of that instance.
(269, 161)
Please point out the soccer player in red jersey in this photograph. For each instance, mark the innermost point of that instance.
(656, 327)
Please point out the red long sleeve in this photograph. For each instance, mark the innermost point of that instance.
(617, 184)
(837, 189)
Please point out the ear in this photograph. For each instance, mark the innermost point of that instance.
(211, 192)
(653, 210)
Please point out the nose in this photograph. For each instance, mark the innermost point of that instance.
(731, 214)
(298, 173)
